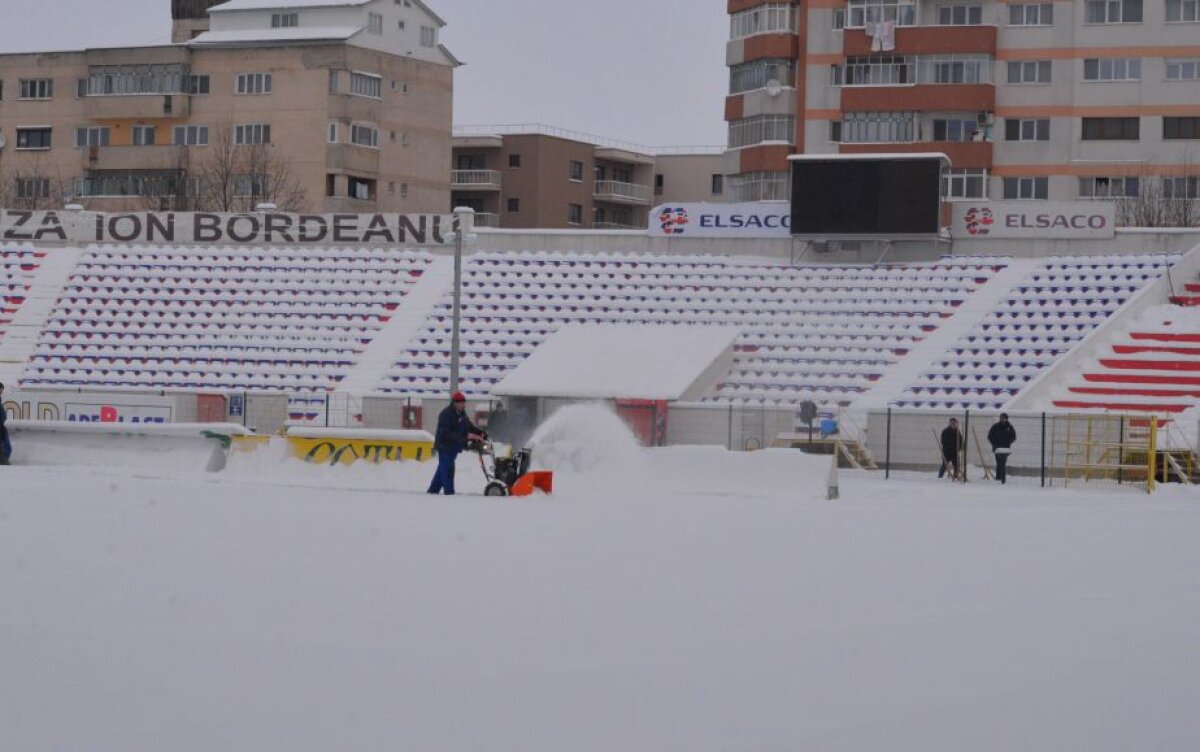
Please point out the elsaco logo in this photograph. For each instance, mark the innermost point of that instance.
(979, 221)
(673, 220)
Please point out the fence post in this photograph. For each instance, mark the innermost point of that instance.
(966, 444)
(1043, 450)
(729, 432)
(327, 409)
(1121, 453)
(887, 451)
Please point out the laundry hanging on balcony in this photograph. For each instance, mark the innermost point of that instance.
(882, 34)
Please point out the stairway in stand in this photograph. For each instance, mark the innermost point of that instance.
(1190, 297)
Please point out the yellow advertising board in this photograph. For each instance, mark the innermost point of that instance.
(343, 451)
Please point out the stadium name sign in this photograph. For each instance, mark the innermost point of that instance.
(200, 228)
(1051, 220)
(79, 408)
(745, 220)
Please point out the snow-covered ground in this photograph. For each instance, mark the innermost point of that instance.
(680, 599)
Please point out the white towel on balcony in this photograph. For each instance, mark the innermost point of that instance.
(873, 29)
(887, 33)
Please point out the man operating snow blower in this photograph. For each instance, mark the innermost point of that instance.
(453, 430)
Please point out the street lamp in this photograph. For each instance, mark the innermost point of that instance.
(464, 222)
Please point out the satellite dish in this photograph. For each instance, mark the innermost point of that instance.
(3, 141)
(774, 87)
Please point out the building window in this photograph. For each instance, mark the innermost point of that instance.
(762, 129)
(954, 69)
(94, 136)
(284, 20)
(513, 206)
(191, 135)
(964, 183)
(33, 138)
(1177, 128)
(1031, 129)
(1112, 11)
(1183, 11)
(514, 161)
(772, 18)
(955, 129)
(362, 189)
(428, 36)
(1112, 69)
(251, 185)
(718, 185)
(960, 15)
(1020, 189)
(1111, 128)
(761, 186)
(576, 171)
(1183, 70)
(331, 135)
(196, 85)
(1029, 72)
(366, 85)
(375, 23)
(1031, 14)
(1102, 187)
(659, 183)
(878, 127)
(254, 133)
(37, 88)
(863, 12)
(881, 70)
(1181, 188)
(143, 135)
(33, 188)
(364, 135)
(574, 214)
(253, 83)
(757, 74)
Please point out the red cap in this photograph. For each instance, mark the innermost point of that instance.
(458, 397)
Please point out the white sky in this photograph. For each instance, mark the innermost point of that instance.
(647, 71)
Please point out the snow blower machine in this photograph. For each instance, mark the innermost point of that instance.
(509, 476)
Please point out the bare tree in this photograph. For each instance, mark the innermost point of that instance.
(33, 185)
(232, 177)
(1162, 204)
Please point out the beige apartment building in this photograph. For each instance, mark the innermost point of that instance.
(334, 106)
(536, 177)
(1031, 100)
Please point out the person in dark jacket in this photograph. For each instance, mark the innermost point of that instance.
(952, 444)
(5, 444)
(453, 428)
(1002, 436)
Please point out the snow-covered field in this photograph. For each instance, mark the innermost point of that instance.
(681, 599)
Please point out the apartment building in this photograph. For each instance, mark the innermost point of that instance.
(331, 106)
(537, 177)
(1031, 100)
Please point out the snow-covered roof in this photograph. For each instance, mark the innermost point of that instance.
(619, 362)
(285, 4)
(290, 34)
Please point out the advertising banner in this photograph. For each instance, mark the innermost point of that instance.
(771, 219)
(1050, 220)
(90, 408)
(198, 228)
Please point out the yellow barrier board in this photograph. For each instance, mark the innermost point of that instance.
(339, 451)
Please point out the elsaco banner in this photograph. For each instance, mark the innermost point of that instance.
(1049, 220)
(696, 220)
(189, 228)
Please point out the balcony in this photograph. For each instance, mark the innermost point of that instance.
(475, 180)
(137, 106)
(351, 158)
(159, 157)
(961, 153)
(614, 226)
(486, 219)
(920, 98)
(615, 192)
(926, 40)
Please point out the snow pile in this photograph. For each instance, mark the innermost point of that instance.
(585, 439)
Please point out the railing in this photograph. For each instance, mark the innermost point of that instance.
(484, 219)
(615, 190)
(475, 178)
(614, 226)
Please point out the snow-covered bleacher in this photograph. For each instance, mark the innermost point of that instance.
(260, 318)
(18, 266)
(1043, 318)
(812, 332)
